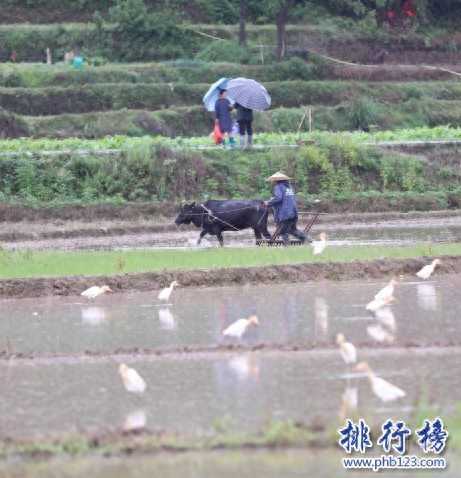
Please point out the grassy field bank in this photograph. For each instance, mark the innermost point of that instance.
(26, 263)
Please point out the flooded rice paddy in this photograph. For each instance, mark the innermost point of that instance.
(425, 313)
(400, 233)
(415, 345)
(190, 393)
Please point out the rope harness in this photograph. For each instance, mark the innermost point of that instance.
(212, 217)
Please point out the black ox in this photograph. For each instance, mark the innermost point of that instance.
(214, 217)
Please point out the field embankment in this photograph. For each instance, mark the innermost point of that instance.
(346, 173)
(297, 270)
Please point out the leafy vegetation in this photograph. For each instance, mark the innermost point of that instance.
(19, 145)
(335, 167)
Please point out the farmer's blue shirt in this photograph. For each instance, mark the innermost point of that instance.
(284, 201)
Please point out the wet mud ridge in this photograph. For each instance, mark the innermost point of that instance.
(218, 350)
(137, 282)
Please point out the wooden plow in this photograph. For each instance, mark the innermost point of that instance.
(273, 241)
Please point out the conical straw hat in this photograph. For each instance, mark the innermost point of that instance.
(278, 176)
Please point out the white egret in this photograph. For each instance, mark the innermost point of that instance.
(381, 388)
(319, 246)
(427, 271)
(388, 291)
(376, 304)
(95, 291)
(166, 292)
(348, 350)
(238, 328)
(131, 379)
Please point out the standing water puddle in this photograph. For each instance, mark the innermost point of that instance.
(312, 313)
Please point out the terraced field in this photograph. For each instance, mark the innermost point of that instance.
(94, 162)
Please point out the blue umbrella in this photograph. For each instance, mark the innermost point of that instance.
(212, 94)
(248, 93)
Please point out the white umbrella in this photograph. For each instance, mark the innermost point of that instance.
(212, 95)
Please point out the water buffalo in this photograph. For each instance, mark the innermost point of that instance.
(214, 217)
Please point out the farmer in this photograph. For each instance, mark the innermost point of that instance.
(286, 209)
(244, 120)
(223, 117)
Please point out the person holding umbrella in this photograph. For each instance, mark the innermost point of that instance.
(245, 121)
(223, 117)
(286, 208)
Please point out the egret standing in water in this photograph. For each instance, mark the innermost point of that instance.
(388, 291)
(95, 291)
(381, 388)
(319, 246)
(131, 379)
(427, 271)
(239, 327)
(167, 291)
(348, 350)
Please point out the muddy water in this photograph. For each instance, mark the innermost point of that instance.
(379, 233)
(310, 313)
(244, 392)
(244, 464)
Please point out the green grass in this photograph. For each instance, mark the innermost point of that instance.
(21, 264)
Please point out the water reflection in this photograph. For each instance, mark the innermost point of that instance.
(244, 366)
(349, 402)
(166, 318)
(308, 313)
(386, 317)
(321, 317)
(190, 394)
(427, 296)
(94, 315)
(380, 334)
(134, 421)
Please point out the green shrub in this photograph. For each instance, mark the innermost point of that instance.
(363, 113)
(224, 51)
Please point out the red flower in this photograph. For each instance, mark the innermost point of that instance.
(390, 15)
